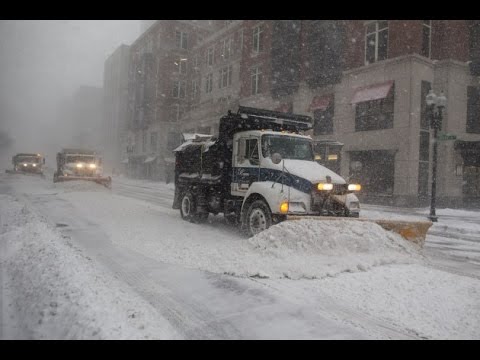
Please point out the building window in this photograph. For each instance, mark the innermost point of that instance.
(136, 143)
(375, 114)
(424, 146)
(323, 120)
(256, 80)
(209, 83)
(153, 141)
(195, 63)
(181, 66)
(194, 89)
(426, 38)
(179, 89)
(240, 36)
(227, 48)
(225, 77)
(423, 179)
(425, 88)
(144, 142)
(174, 140)
(473, 110)
(257, 38)
(177, 112)
(210, 56)
(376, 41)
(181, 39)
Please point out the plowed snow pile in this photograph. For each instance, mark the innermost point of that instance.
(319, 248)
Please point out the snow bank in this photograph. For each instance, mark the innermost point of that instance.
(56, 292)
(319, 248)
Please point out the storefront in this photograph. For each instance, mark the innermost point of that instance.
(470, 152)
(375, 171)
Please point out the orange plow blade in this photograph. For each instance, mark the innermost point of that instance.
(414, 231)
(105, 181)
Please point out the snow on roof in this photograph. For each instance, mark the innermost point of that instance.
(196, 139)
(150, 159)
(196, 136)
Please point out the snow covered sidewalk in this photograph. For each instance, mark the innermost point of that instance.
(51, 290)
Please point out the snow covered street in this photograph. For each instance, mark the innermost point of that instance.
(79, 261)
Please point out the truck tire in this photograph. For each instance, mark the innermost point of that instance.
(187, 206)
(188, 209)
(258, 218)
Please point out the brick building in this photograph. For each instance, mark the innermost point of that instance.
(158, 78)
(363, 81)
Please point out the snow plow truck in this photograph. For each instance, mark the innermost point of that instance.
(26, 163)
(80, 164)
(261, 170)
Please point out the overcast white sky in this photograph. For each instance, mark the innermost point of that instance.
(43, 62)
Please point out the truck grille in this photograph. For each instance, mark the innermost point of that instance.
(339, 189)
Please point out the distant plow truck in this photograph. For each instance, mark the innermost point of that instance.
(261, 170)
(80, 164)
(26, 163)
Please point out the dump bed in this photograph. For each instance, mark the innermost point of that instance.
(199, 160)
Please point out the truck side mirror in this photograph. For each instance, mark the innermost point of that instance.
(276, 158)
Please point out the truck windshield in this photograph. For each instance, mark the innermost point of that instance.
(80, 158)
(28, 159)
(289, 147)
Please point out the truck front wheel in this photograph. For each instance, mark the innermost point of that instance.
(258, 218)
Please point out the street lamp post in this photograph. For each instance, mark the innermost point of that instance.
(435, 105)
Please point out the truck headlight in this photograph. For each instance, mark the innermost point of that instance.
(34, 165)
(79, 166)
(92, 166)
(354, 187)
(325, 186)
(25, 164)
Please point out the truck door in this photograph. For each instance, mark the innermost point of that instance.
(246, 164)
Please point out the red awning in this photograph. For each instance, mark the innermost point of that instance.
(320, 102)
(372, 92)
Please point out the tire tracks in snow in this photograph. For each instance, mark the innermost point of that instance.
(331, 308)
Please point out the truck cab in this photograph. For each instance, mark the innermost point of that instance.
(295, 183)
(28, 163)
